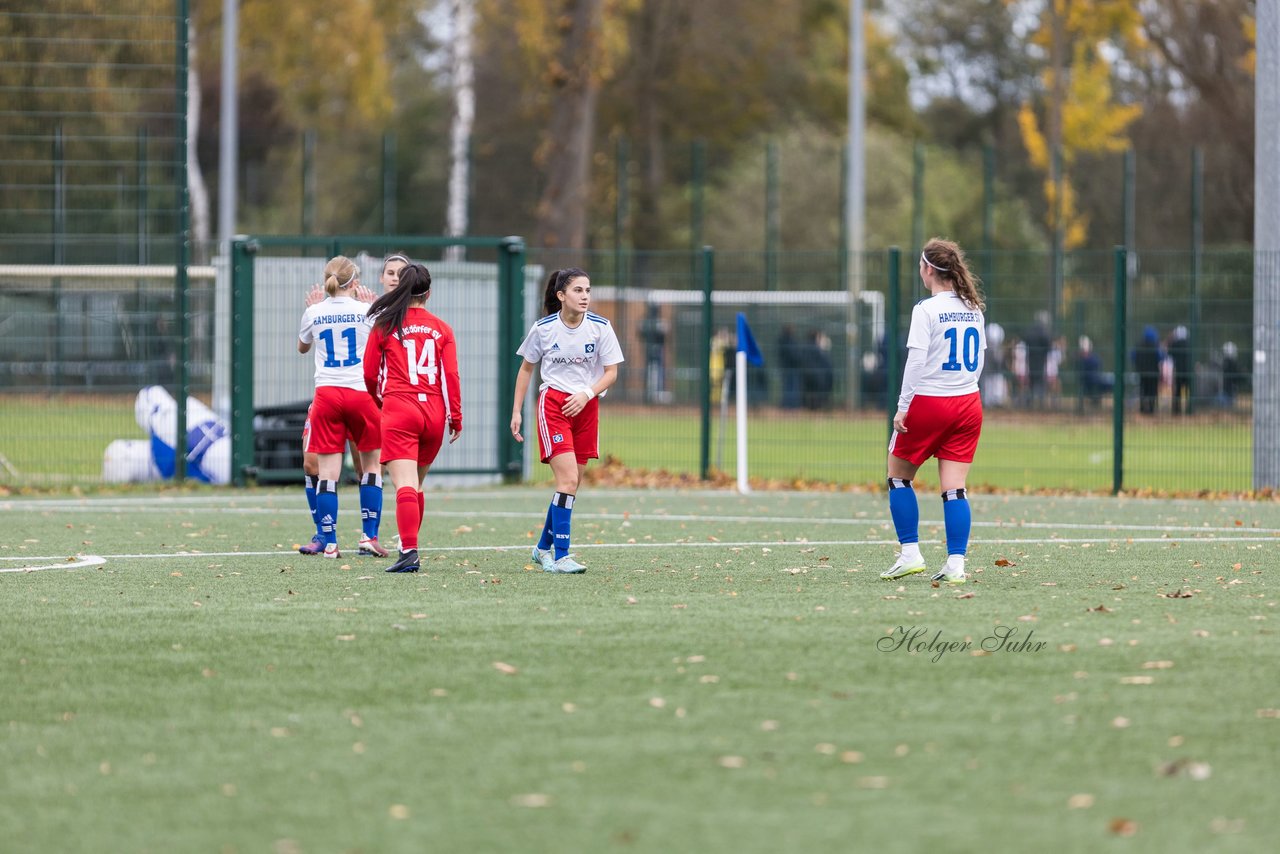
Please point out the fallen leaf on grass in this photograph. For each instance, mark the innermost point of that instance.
(398, 811)
(1137, 680)
(968, 595)
(346, 637)
(1178, 594)
(873, 782)
(1156, 665)
(533, 800)
(1004, 562)
(1080, 802)
(1123, 826)
(1101, 609)
(732, 761)
(503, 667)
(1269, 713)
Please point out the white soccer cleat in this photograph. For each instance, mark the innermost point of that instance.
(902, 568)
(565, 566)
(949, 575)
(331, 551)
(543, 558)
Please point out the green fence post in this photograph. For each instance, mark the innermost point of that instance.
(242, 252)
(917, 196)
(697, 191)
(772, 216)
(1197, 260)
(988, 219)
(1117, 390)
(389, 183)
(893, 380)
(308, 181)
(142, 169)
(708, 284)
(182, 248)
(510, 320)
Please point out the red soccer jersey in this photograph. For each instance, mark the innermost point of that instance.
(419, 359)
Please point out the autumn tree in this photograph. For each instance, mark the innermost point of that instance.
(1079, 112)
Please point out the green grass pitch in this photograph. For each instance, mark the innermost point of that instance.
(729, 675)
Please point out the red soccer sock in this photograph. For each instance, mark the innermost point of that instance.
(422, 507)
(408, 516)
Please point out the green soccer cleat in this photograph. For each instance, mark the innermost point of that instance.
(901, 569)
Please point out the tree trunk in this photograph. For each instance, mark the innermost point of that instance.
(464, 97)
(566, 153)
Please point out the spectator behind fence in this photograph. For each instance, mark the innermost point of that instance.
(1038, 340)
(995, 386)
(790, 366)
(1180, 354)
(819, 374)
(1146, 363)
(1233, 381)
(1093, 383)
(653, 331)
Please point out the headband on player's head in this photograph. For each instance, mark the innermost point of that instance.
(355, 274)
(933, 265)
(396, 257)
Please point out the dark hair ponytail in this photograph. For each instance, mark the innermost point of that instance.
(388, 310)
(556, 283)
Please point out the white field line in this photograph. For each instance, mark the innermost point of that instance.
(657, 517)
(770, 544)
(78, 563)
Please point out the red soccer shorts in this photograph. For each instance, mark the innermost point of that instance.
(942, 427)
(337, 414)
(412, 429)
(560, 434)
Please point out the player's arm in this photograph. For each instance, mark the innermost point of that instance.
(578, 402)
(523, 376)
(372, 363)
(449, 364)
(305, 336)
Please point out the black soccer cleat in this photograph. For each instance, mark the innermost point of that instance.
(407, 562)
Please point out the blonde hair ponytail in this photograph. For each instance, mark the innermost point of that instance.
(339, 274)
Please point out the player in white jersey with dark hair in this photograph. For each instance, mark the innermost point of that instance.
(577, 354)
(939, 409)
(338, 327)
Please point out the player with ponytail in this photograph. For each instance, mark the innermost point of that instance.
(411, 369)
(939, 409)
(577, 354)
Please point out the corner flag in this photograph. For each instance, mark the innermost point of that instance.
(747, 342)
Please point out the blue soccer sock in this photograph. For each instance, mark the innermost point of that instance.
(370, 504)
(905, 511)
(561, 516)
(310, 480)
(327, 510)
(955, 512)
(547, 539)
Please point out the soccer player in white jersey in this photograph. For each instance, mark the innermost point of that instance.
(939, 409)
(578, 354)
(339, 327)
(370, 481)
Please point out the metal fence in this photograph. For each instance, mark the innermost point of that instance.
(79, 344)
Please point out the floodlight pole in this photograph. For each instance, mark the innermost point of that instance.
(1266, 252)
(855, 192)
(229, 130)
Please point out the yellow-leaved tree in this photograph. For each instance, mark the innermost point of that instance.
(1078, 112)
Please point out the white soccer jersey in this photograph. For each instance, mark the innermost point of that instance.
(571, 360)
(953, 339)
(339, 328)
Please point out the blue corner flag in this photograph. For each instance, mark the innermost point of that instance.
(747, 342)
